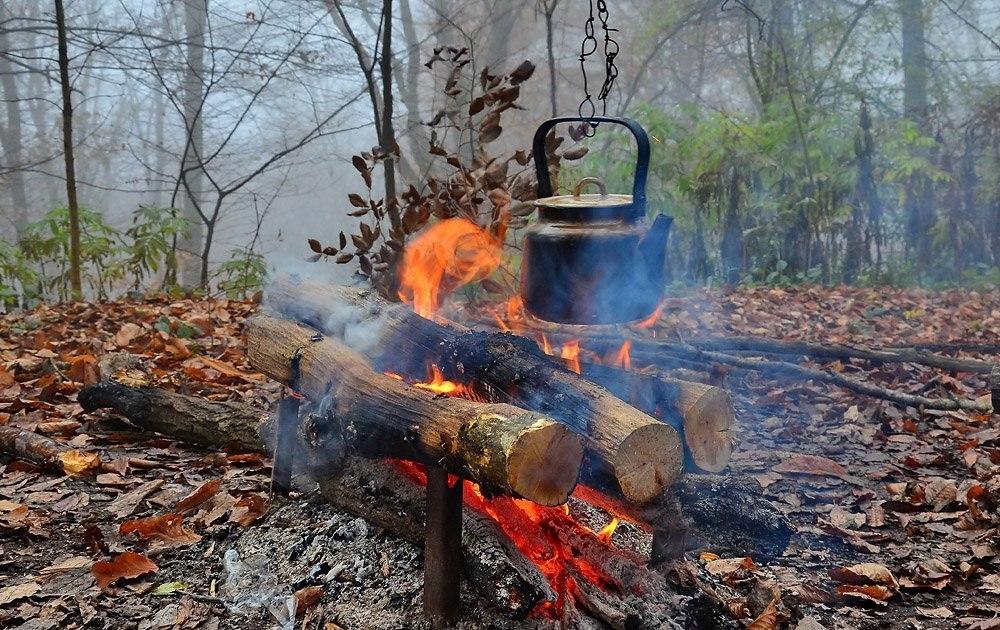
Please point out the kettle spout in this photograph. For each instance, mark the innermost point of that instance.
(653, 249)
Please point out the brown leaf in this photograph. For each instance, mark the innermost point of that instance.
(872, 592)
(315, 245)
(359, 163)
(204, 492)
(307, 597)
(79, 463)
(357, 200)
(864, 573)
(726, 566)
(768, 619)
(127, 334)
(125, 565)
(11, 594)
(168, 529)
(811, 465)
(575, 153)
(125, 504)
(248, 509)
(522, 73)
(83, 369)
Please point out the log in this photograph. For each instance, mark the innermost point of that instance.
(627, 449)
(703, 414)
(368, 489)
(187, 418)
(506, 450)
(43, 451)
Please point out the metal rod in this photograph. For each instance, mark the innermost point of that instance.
(442, 548)
(284, 448)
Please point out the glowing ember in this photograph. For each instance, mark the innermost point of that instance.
(546, 346)
(570, 354)
(449, 254)
(535, 531)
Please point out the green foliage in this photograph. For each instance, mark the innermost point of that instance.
(38, 266)
(243, 274)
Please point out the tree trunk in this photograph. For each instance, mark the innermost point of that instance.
(548, 9)
(192, 242)
(628, 450)
(918, 192)
(75, 276)
(11, 137)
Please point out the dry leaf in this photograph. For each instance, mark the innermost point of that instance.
(125, 565)
(79, 463)
(768, 620)
(811, 465)
(726, 566)
(128, 502)
(226, 369)
(83, 369)
(248, 509)
(20, 591)
(168, 529)
(307, 598)
(204, 492)
(127, 334)
(864, 573)
(872, 592)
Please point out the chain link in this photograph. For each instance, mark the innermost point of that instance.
(587, 108)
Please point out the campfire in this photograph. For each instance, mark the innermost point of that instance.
(509, 420)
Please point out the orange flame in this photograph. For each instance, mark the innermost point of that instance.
(570, 354)
(439, 384)
(650, 321)
(546, 346)
(623, 357)
(609, 530)
(449, 254)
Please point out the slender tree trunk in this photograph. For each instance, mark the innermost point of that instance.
(918, 200)
(75, 281)
(11, 137)
(192, 244)
(389, 145)
(549, 8)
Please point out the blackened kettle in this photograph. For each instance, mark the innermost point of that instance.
(593, 258)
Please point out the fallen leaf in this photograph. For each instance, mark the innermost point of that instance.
(248, 509)
(726, 566)
(204, 492)
(872, 592)
(79, 463)
(19, 591)
(307, 597)
(125, 565)
(168, 529)
(224, 368)
(864, 573)
(767, 620)
(66, 564)
(810, 465)
(83, 369)
(935, 613)
(128, 502)
(127, 334)
(168, 588)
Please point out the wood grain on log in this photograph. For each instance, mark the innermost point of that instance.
(703, 414)
(626, 447)
(505, 449)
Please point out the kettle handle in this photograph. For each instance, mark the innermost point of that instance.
(642, 159)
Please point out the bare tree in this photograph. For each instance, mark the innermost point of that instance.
(75, 281)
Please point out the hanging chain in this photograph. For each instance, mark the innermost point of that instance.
(588, 47)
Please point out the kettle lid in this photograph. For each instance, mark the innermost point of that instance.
(606, 205)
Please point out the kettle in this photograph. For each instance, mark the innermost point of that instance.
(593, 258)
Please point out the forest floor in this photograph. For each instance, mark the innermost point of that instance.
(911, 494)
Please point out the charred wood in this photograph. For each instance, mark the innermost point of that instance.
(505, 449)
(627, 449)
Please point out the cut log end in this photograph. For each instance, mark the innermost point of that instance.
(648, 462)
(512, 447)
(707, 425)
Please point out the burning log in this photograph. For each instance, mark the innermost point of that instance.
(703, 414)
(505, 449)
(638, 454)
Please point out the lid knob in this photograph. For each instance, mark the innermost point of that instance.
(580, 185)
